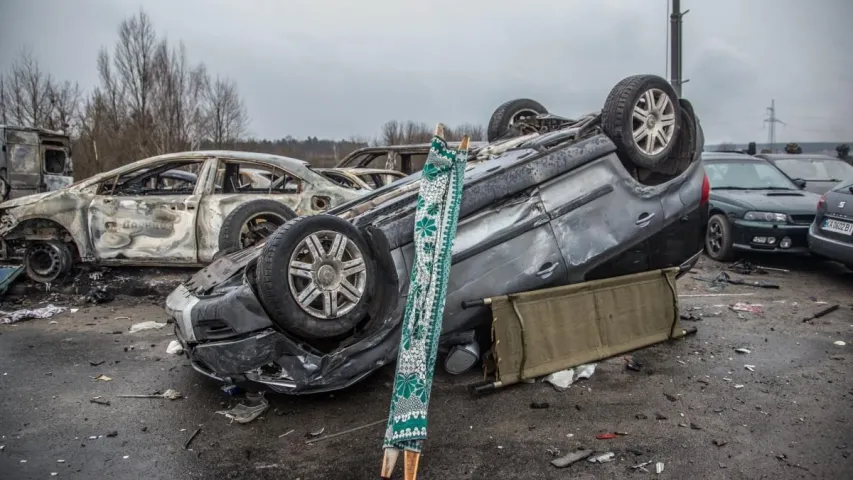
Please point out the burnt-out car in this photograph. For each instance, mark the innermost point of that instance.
(318, 306)
(178, 209)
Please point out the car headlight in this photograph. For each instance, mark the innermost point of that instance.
(765, 217)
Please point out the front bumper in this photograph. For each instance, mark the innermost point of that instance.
(744, 232)
(265, 354)
(829, 247)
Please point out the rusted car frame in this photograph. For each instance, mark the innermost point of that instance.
(33, 160)
(113, 218)
(362, 178)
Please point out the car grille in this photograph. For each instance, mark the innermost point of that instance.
(802, 219)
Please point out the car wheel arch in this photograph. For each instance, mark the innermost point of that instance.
(42, 222)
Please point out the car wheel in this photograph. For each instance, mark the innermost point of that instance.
(718, 238)
(46, 261)
(509, 114)
(329, 277)
(251, 223)
(683, 153)
(642, 117)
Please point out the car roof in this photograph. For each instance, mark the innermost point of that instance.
(797, 156)
(730, 157)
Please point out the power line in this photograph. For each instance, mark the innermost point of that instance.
(772, 120)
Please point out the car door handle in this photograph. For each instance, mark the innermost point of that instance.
(546, 270)
(644, 219)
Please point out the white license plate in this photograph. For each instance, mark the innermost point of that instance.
(838, 226)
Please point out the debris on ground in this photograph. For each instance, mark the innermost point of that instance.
(632, 363)
(751, 368)
(719, 443)
(610, 435)
(30, 314)
(95, 364)
(724, 278)
(607, 457)
(192, 437)
(825, 311)
(539, 405)
(316, 434)
(102, 378)
(745, 267)
(246, 413)
(746, 307)
(286, 433)
(349, 430)
(565, 378)
(571, 458)
(168, 395)
(659, 468)
(743, 350)
(642, 466)
(99, 401)
(840, 343)
(231, 390)
(670, 397)
(99, 295)
(149, 325)
(174, 348)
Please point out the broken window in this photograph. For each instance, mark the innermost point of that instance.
(247, 177)
(173, 178)
(54, 161)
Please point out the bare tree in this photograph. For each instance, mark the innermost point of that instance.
(226, 114)
(26, 88)
(134, 66)
(474, 132)
(176, 101)
(4, 117)
(64, 100)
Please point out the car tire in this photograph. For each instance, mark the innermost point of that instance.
(292, 251)
(510, 112)
(718, 238)
(683, 153)
(232, 236)
(618, 120)
(46, 261)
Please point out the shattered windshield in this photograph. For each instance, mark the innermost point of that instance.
(746, 176)
(816, 169)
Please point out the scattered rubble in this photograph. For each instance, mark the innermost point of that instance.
(571, 458)
(247, 413)
(175, 348)
(149, 325)
(30, 314)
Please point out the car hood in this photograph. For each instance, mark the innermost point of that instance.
(781, 201)
(27, 199)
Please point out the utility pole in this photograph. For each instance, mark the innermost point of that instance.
(772, 120)
(675, 46)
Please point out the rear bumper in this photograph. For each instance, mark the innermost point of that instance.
(830, 248)
(743, 233)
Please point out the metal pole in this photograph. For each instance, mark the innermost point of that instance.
(675, 46)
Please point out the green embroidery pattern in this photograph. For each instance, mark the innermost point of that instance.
(435, 229)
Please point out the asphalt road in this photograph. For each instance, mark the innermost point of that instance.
(790, 419)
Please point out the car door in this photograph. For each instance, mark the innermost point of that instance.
(602, 219)
(223, 195)
(505, 248)
(131, 223)
(685, 220)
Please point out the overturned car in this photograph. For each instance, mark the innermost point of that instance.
(552, 201)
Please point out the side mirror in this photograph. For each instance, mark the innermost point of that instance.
(799, 182)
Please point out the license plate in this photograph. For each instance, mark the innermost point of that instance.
(838, 226)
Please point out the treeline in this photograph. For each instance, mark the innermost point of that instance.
(151, 99)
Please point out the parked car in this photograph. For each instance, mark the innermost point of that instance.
(155, 212)
(361, 178)
(754, 207)
(831, 233)
(815, 173)
(318, 307)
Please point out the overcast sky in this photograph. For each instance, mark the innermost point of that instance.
(336, 68)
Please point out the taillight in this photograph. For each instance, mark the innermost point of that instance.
(821, 203)
(706, 191)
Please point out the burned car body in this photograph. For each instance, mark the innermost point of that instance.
(541, 210)
(178, 209)
(33, 160)
(361, 178)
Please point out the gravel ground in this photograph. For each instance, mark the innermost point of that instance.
(790, 419)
